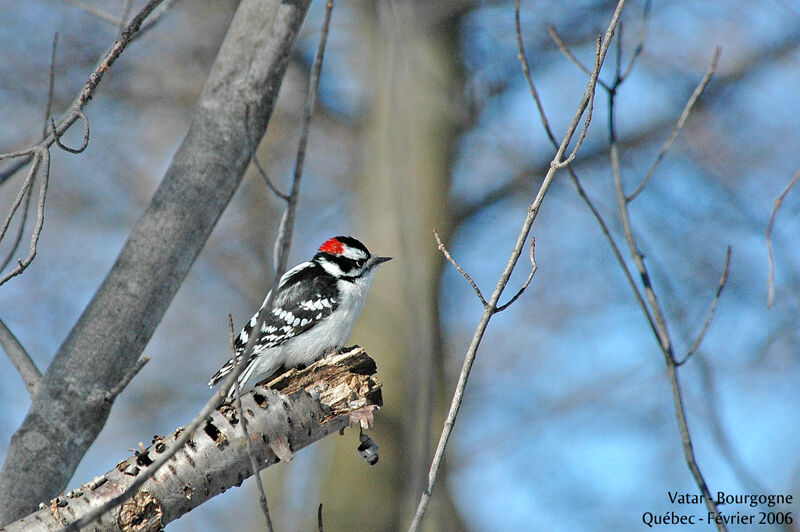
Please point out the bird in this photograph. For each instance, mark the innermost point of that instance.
(313, 313)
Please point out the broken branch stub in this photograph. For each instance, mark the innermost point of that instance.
(299, 408)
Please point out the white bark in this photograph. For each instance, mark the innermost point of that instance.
(311, 404)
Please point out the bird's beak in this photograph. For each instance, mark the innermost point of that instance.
(374, 261)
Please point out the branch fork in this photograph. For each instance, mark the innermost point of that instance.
(486, 304)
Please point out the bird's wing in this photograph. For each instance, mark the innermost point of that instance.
(297, 308)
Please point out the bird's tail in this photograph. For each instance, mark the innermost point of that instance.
(246, 377)
(226, 370)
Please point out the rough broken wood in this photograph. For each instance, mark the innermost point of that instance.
(299, 408)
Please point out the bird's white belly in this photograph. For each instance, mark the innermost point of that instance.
(333, 332)
(318, 341)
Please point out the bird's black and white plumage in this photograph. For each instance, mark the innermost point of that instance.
(314, 311)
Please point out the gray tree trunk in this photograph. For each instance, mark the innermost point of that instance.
(73, 402)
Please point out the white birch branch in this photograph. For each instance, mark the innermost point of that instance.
(302, 407)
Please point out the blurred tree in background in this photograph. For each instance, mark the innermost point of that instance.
(425, 120)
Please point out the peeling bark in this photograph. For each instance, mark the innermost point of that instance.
(299, 408)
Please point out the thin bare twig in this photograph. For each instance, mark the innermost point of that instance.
(595, 212)
(618, 60)
(39, 210)
(776, 205)
(614, 247)
(110, 57)
(459, 268)
(57, 135)
(252, 142)
(526, 70)
(44, 157)
(640, 45)
(119, 22)
(126, 11)
(287, 222)
(688, 446)
(662, 335)
(40, 153)
(489, 311)
(720, 286)
(501, 308)
(22, 162)
(687, 109)
(51, 84)
(661, 330)
(567, 52)
(320, 528)
(658, 317)
(26, 184)
(587, 120)
(25, 152)
(585, 197)
(21, 229)
(26, 367)
(267, 180)
(14, 168)
(242, 417)
(155, 18)
(96, 11)
(126, 380)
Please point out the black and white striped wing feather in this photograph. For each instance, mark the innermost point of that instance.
(298, 307)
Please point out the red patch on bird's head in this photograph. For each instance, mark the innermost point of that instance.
(332, 246)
